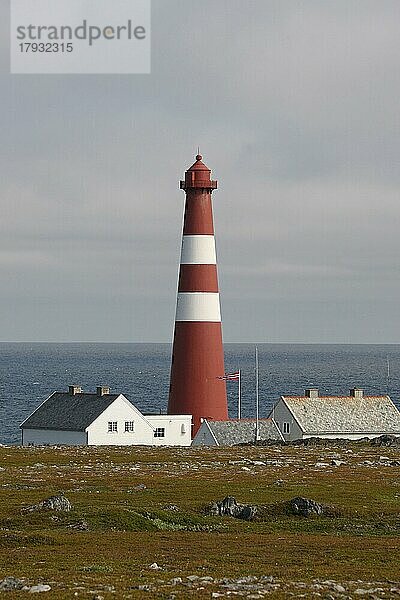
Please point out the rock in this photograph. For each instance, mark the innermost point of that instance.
(386, 440)
(247, 579)
(176, 580)
(229, 507)
(305, 507)
(338, 588)
(40, 587)
(336, 463)
(155, 566)
(192, 577)
(53, 503)
(11, 583)
(79, 526)
(315, 441)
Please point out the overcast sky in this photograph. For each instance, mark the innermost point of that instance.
(295, 107)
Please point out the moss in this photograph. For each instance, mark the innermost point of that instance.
(119, 520)
(96, 569)
(15, 540)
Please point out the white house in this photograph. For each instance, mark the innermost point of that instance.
(235, 431)
(101, 419)
(351, 417)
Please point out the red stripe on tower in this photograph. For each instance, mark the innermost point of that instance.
(196, 386)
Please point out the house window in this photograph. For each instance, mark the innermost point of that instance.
(286, 428)
(159, 432)
(130, 426)
(112, 426)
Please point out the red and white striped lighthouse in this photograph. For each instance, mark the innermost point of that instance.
(196, 386)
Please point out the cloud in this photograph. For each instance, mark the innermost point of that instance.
(294, 104)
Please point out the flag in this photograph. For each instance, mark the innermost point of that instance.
(230, 376)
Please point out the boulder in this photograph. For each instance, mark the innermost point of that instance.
(11, 583)
(60, 503)
(229, 507)
(305, 507)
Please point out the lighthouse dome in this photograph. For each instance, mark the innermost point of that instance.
(199, 165)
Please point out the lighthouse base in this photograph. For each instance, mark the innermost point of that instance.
(197, 368)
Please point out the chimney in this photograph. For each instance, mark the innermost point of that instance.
(356, 393)
(74, 389)
(103, 390)
(311, 393)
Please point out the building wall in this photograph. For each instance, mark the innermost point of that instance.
(119, 411)
(122, 410)
(43, 437)
(178, 429)
(204, 437)
(281, 414)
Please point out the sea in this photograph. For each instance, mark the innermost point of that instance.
(30, 372)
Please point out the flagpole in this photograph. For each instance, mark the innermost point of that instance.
(257, 399)
(240, 397)
(387, 375)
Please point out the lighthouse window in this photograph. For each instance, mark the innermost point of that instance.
(159, 432)
(286, 428)
(112, 426)
(130, 426)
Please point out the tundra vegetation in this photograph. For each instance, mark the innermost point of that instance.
(141, 522)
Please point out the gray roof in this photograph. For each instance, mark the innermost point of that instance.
(64, 411)
(228, 433)
(344, 414)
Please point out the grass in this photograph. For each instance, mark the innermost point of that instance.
(136, 506)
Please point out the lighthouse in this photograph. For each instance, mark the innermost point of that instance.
(197, 386)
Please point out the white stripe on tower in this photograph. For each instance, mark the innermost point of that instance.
(198, 250)
(198, 306)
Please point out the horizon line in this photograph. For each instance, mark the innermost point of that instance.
(248, 343)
